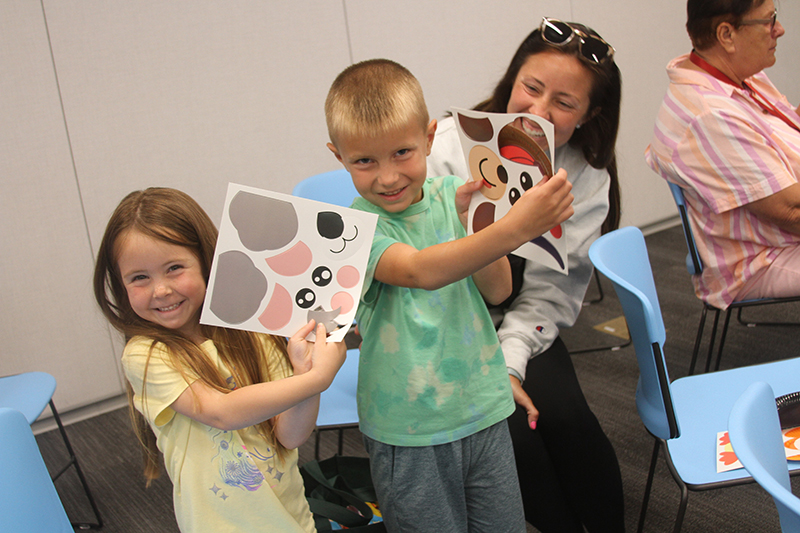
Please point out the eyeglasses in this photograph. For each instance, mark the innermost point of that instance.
(771, 21)
(592, 47)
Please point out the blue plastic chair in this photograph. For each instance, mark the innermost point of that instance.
(684, 416)
(338, 408)
(334, 187)
(29, 393)
(694, 265)
(755, 434)
(28, 499)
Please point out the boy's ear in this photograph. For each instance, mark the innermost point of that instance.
(333, 149)
(430, 133)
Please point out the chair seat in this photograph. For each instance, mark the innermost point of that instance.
(28, 393)
(338, 404)
(702, 405)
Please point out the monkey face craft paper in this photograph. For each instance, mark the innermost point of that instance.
(281, 261)
(509, 153)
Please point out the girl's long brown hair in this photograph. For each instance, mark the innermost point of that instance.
(172, 216)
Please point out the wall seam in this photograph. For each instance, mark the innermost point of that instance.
(75, 167)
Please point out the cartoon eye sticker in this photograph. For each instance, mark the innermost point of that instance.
(305, 298)
(322, 276)
(485, 165)
(525, 183)
(515, 145)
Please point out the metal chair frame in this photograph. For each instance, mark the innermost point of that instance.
(694, 265)
(45, 382)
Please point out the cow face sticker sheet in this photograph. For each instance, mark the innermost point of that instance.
(510, 153)
(281, 261)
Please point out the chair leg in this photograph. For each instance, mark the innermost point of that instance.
(73, 461)
(722, 338)
(710, 355)
(599, 290)
(698, 339)
(648, 486)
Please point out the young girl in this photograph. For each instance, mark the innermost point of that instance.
(227, 408)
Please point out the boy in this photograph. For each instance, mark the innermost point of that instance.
(433, 390)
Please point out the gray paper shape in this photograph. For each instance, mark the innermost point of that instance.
(263, 223)
(239, 288)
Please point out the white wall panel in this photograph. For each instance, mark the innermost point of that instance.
(48, 319)
(457, 50)
(193, 95)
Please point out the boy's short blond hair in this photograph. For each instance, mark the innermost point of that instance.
(374, 97)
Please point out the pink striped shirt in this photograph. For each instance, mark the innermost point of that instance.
(715, 142)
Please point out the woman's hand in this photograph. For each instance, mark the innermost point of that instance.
(524, 401)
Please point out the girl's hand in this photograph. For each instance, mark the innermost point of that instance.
(463, 198)
(321, 356)
(327, 357)
(300, 349)
(524, 401)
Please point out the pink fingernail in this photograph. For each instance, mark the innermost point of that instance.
(533, 424)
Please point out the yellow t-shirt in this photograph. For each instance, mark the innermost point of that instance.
(222, 480)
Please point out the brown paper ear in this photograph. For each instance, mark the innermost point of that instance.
(512, 137)
(477, 129)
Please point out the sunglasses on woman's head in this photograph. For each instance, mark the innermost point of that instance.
(591, 47)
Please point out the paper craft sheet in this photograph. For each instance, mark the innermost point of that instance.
(726, 458)
(281, 261)
(500, 153)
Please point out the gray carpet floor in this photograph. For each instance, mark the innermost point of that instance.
(110, 457)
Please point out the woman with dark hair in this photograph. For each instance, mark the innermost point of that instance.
(568, 470)
(731, 141)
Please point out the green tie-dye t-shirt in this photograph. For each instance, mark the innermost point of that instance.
(431, 369)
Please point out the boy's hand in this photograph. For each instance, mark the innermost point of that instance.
(544, 206)
(523, 400)
(463, 198)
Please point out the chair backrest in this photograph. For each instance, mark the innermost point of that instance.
(334, 187)
(28, 500)
(621, 256)
(755, 434)
(693, 262)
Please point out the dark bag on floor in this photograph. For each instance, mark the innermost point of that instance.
(789, 410)
(337, 490)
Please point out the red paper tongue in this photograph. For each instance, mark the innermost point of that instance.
(517, 154)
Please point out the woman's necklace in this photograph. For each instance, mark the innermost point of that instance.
(759, 98)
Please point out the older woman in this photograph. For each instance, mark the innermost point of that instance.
(568, 470)
(731, 141)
